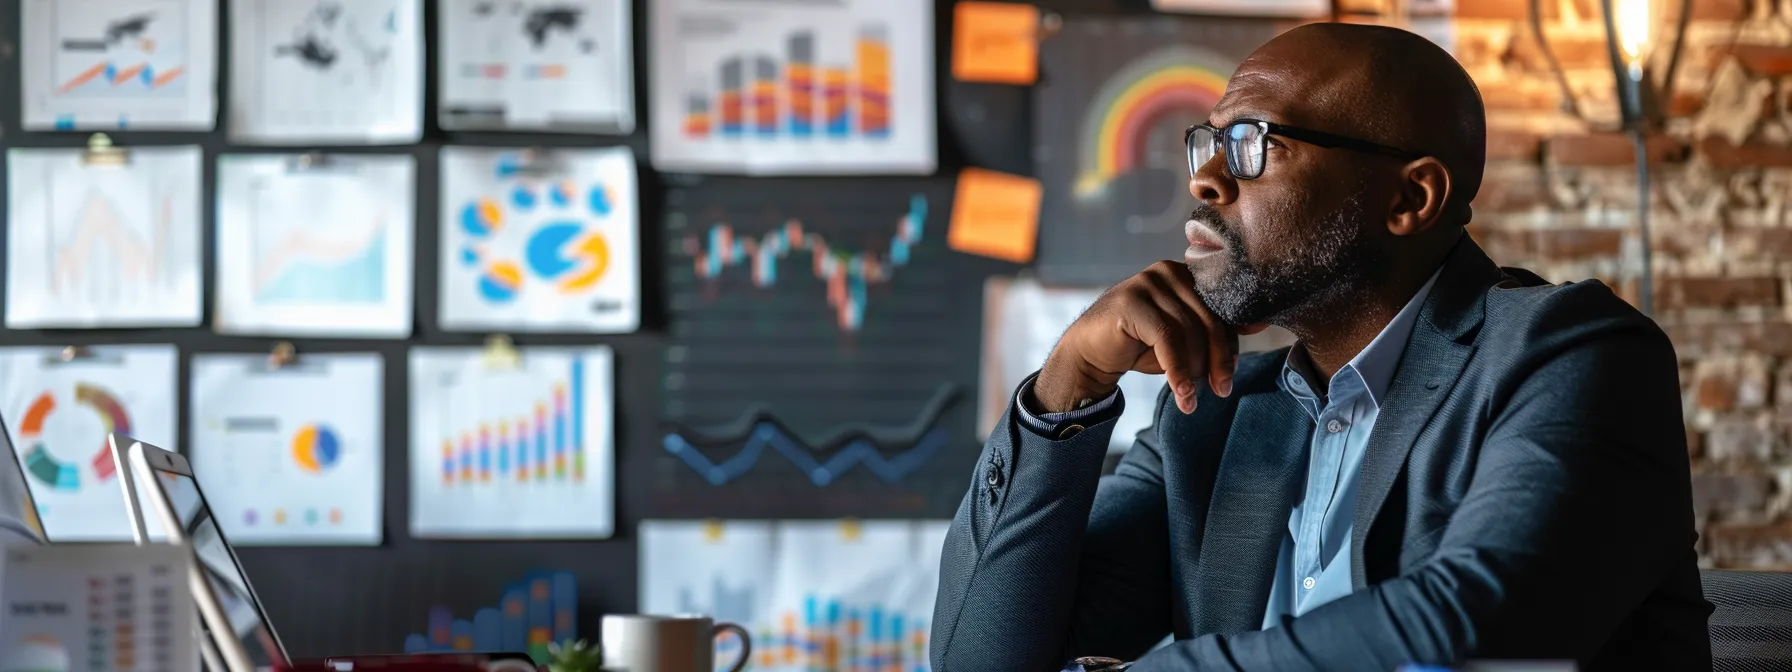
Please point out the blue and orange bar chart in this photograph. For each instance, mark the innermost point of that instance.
(546, 446)
(542, 609)
(830, 636)
(759, 96)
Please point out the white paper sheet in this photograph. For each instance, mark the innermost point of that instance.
(1022, 321)
(103, 246)
(539, 241)
(817, 596)
(97, 607)
(512, 453)
(58, 414)
(326, 71)
(1283, 8)
(534, 65)
(792, 86)
(315, 248)
(102, 64)
(293, 455)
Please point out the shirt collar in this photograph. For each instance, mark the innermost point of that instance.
(1375, 364)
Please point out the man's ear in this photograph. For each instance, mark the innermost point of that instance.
(1419, 203)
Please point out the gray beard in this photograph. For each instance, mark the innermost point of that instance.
(1332, 268)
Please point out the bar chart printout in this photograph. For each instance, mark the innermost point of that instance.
(541, 609)
(505, 451)
(792, 87)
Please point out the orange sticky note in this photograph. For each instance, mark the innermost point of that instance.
(996, 42)
(995, 215)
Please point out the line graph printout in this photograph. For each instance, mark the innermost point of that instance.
(316, 71)
(539, 241)
(544, 65)
(103, 246)
(315, 245)
(789, 299)
(817, 596)
(105, 64)
(792, 86)
(58, 414)
(503, 452)
(293, 455)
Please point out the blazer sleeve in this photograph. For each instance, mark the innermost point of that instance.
(1580, 506)
(1047, 557)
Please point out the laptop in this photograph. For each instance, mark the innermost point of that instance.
(19, 519)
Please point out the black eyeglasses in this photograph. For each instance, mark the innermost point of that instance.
(1243, 141)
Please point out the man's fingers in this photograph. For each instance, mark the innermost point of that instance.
(1148, 325)
(1210, 338)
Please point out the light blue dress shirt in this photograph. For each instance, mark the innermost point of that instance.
(1313, 566)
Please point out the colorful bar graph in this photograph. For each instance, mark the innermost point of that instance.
(835, 637)
(874, 81)
(696, 116)
(541, 609)
(799, 76)
(765, 97)
(547, 446)
(835, 105)
(734, 122)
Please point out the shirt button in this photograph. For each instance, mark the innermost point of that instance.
(1308, 583)
(1334, 426)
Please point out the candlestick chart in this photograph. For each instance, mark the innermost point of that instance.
(818, 330)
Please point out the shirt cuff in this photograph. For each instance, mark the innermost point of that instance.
(1047, 424)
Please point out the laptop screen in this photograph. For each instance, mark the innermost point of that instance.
(226, 575)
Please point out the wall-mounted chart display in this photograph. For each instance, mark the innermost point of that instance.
(519, 449)
(97, 607)
(536, 65)
(139, 64)
(290, 455)
(539, 240)
(315, 244)
(817, 596)
(326, 71)
(792, 86)
(1115, 97)
(92, 245)
(818, 344)
(59, 410)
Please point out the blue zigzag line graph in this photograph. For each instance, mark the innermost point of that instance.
(767, 433)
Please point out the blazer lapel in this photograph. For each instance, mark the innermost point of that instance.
(1439, 348)
(1260, 474)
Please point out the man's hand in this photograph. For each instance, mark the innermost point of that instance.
(1151, 322)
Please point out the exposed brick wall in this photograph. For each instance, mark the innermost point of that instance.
(1560, 198)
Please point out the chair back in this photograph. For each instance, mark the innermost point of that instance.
(1751, 629)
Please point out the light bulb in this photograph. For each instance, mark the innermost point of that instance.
(1633, 21)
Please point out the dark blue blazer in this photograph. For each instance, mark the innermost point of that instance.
(1526, 494)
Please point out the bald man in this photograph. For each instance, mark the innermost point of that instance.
(1455, 461)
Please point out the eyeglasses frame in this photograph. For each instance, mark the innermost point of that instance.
(1309, 136)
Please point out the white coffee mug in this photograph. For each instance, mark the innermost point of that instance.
(639, 643)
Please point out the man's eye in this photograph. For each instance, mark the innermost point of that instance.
(1272, 142)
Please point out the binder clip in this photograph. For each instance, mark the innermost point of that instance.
(537, 162)
(282, 356)
(75, 353)
(101, 152)
(712, 531)
(851, 531)
(500, 353)
(1049, 24)
(312, 161)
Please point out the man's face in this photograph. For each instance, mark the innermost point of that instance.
(1295, 238)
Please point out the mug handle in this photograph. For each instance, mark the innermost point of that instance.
(746, 643)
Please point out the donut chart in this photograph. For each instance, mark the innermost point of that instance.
(316, 447)
(66, 475)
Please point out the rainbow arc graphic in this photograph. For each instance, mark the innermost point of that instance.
(543, 608)
(846, 274)
(1180, 82)
(760, 97)
(547, 446)
(58, 474)
(564, 251)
